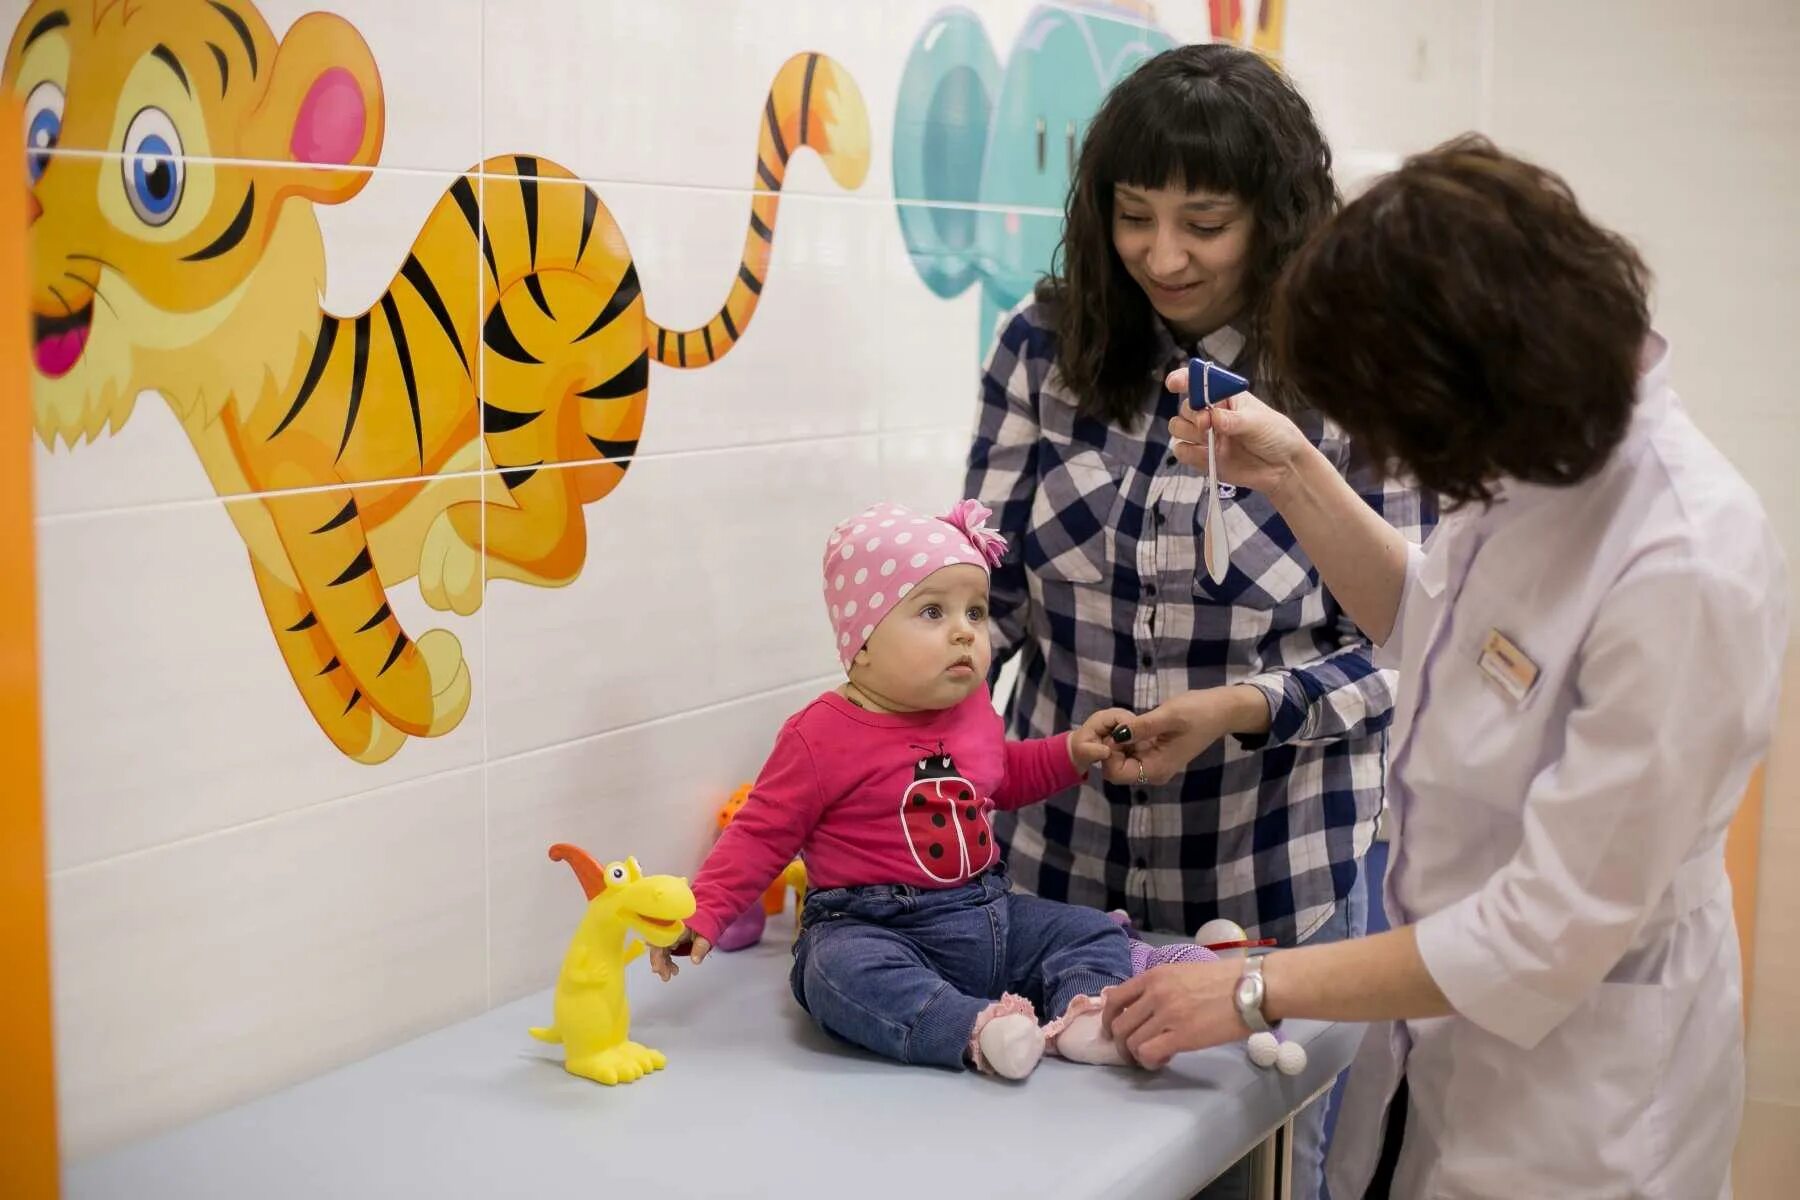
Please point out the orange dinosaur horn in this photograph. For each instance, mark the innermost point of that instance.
(593, 879)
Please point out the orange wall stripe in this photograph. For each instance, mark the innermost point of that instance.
(1740, 864)
(28, 1155)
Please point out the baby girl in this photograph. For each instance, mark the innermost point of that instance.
(912, 944)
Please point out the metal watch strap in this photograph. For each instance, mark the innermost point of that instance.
(1248, 995)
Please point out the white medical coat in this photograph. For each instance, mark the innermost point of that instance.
(1562, 855)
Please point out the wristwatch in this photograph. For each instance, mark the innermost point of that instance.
(1249, 995)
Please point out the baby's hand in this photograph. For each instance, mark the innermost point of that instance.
(1092, 742)
(662, 958)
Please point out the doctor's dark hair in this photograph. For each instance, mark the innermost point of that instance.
(1211, 118)
(1465, 322)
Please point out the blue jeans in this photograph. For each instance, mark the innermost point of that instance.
(905, 971)
(1350, 919)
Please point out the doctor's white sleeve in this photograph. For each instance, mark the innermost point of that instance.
(1388, 654)
(1676, 683)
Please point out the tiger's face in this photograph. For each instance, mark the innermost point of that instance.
(173, 244)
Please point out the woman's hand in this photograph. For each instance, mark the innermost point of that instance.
(1179, 1006)
(1165, 740)
(662, 958)
(1092, 741)
(1258, 447)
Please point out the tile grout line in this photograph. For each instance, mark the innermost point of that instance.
(666, 718)
(440, 773)
(254, 822)
(451, 476)
(487, 774)
(836, 195)
(450, 175)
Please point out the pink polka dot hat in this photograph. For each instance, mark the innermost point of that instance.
(874, 558)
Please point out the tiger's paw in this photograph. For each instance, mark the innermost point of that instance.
(449, 570)
(450, 684)
(384, 742)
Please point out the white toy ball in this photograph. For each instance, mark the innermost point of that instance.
(1218, 931)
(1290, 1058)
(1265, 1050)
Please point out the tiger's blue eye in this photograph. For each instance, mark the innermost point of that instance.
(43, 127)
(154, 171)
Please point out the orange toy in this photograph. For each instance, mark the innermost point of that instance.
(747, 930)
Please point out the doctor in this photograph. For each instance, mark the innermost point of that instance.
(1589, 651)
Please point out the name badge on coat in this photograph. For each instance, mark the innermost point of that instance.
(1507, 666)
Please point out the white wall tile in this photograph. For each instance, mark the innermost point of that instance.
(1677, 126)
(168, 710)
(925, 470)
(651, 791)
(1387, 75)
(582, 82)
(936, 346)
(587, 102)
(811, 361)
(203, 973)
(703, 584)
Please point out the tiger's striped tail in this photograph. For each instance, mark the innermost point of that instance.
(813, 102)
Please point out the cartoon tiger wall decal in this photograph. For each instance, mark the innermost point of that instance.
(161, 268)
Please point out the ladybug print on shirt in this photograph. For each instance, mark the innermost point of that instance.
(946, 823)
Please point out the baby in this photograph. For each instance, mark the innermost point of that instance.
(912, 944)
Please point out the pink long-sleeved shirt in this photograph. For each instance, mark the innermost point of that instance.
(872, 797)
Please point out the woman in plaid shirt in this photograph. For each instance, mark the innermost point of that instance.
(1202, 172)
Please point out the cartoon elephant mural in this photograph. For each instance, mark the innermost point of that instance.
(970, 131)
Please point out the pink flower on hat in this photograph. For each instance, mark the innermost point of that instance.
(872, 560)
(970, 516)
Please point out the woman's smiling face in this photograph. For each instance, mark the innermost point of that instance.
(1189, 251)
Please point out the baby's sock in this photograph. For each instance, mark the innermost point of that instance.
(1076, 1035)
(1011, 1045)
(1006, 1040)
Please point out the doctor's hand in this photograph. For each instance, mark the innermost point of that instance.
(1258, 447)
(1165, 740)
(1178, 1006)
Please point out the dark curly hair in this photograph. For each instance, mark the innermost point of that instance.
(1207, 117)
(1465, 322)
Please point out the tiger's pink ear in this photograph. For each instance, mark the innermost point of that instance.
(323, 110)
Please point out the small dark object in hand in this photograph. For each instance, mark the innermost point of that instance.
(1121, 733)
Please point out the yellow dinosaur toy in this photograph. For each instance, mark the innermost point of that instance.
(590, 1015)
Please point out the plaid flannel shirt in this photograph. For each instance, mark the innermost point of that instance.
(1104, 600)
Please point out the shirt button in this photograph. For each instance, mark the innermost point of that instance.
(1148, 661)
(1159, 516)
(1140, 864)
(1141, 797)
(1171, 461)
(1149, 589)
